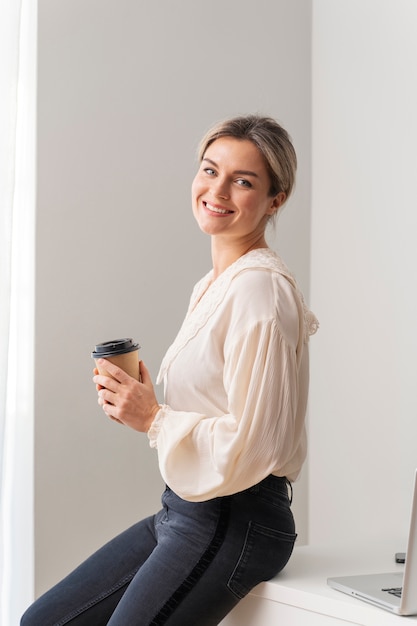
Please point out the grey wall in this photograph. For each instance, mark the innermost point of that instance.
(363, 405)
(125, 90)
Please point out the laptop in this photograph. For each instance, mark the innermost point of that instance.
(396, 592)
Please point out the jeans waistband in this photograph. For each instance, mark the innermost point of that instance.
(278, 484)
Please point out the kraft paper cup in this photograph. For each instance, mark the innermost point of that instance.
(122, 352)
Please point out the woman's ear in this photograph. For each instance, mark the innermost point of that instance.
(277, 202)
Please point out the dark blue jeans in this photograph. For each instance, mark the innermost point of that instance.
(188, 565)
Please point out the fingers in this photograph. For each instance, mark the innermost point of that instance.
(95, 373)
(113, 377)
(144, 374)
(105, 397)
(110, 410)
(118, 374)
(112, 370)
(105, 382)
(125, 399)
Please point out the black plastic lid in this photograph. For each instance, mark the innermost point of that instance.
(112, 348)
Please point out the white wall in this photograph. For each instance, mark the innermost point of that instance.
(126, 88)
(363, 405)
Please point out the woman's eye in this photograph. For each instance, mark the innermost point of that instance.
(243, 182)
(209, 171)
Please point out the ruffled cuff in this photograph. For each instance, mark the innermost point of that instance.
(153, 431)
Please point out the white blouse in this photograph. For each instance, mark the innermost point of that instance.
(236, 382)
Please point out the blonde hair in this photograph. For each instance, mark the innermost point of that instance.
(272, 141)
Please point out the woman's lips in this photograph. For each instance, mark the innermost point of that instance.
(217, 209)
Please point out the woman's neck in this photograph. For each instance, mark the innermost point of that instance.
(225, 253)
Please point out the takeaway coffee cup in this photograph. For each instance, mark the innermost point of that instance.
(122, 352)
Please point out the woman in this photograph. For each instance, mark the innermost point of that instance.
(231, 437)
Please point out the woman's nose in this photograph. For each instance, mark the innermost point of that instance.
(221, 188)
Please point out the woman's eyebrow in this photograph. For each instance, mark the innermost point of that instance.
(240, 172)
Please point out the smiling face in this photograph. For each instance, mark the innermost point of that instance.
(230, 192)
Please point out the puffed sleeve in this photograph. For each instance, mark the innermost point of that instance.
(203, 457)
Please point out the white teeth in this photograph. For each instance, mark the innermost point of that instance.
(216, 209)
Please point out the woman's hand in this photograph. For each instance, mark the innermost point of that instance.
(124, 399)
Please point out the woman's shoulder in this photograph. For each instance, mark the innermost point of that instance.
(262, 259)
(262, 272)
(263, 283)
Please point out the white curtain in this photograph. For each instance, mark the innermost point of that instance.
(17, 218)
